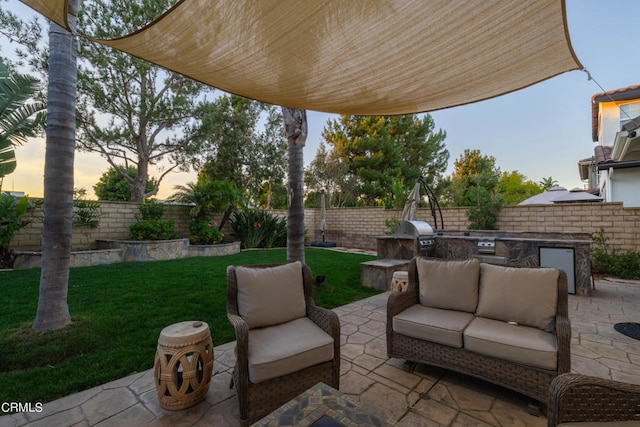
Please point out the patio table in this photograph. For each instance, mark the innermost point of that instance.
(323, 406)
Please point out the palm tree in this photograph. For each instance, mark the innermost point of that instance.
(547, 183)
(208, 196)
(53, 309)
(295, 125)
(19, 119)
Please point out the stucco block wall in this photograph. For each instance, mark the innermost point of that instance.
(114, 222)
(357, 227)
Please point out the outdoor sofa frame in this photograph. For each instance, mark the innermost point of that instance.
(528, 380)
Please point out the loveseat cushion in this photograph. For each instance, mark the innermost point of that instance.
(519, 344)
(450, 285)
(432, 324)
(269, 296)
(527, 296)
(289, 347)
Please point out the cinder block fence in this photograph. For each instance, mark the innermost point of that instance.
(357, 227)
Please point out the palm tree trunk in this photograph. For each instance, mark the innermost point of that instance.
(53, 310)
(295, 125)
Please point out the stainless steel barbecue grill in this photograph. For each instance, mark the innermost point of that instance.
(421, 232)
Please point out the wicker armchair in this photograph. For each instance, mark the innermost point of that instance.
(259, 391)
(575, 398)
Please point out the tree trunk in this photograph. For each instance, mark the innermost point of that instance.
(295, 125)
(53, 310)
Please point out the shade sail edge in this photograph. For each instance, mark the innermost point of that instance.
(261, 58)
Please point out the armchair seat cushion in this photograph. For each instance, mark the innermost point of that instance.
(432, 324)
(516, 343)
(289, 347)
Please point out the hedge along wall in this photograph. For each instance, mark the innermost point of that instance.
(357, 227)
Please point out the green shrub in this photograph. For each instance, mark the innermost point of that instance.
(151, 210)
(11, 211)
(203, 232)
(152, 230)
(625, 265)
(259, 229)
(86, 213)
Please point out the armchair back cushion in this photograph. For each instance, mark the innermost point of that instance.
(449, 285)
(527, 296)
(270, 296)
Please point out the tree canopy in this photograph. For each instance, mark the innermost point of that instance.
(232, 146)
(378, 150)
(113, 186)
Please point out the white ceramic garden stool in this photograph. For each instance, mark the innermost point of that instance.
(399, 281)
(183, 364)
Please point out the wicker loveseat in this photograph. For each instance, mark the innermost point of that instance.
(285, 344)
(505, 325)
(580, 400)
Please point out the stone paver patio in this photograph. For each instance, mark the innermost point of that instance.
(408, 394)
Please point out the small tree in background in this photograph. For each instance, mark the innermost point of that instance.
(114, 186)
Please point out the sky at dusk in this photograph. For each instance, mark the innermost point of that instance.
(541, 131)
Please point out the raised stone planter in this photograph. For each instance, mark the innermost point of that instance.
(213, 250)
(148, 250)
(32, 259)
(112, 251)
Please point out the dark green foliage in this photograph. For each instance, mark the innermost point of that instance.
(204, 232)
(113, 185)
(376, 150)
(151, 210)
(260, 229)
(625, 265)
(11, 211)
(86, 213)
(152, 230)
(152, 227)
(484, 215)
(118, 311)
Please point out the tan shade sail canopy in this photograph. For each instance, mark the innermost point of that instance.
(373, 57)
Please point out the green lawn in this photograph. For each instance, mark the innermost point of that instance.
(118, 311)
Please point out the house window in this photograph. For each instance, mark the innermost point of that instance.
(628, 112)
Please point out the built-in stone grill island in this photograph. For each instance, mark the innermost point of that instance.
(518, 249)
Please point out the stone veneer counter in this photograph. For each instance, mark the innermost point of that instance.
(509, 248)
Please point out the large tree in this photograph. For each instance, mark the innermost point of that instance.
(232, 146)
(381, 149)
(473, 184)
(327, 172)
(53, 309)
(130, 111)
(514, 187)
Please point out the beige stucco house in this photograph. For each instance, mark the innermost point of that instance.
(613, 171)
